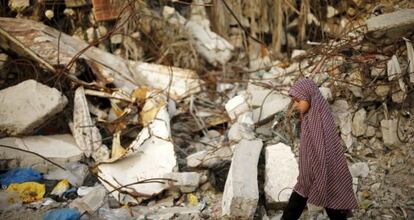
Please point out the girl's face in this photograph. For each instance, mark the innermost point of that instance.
(301, 106)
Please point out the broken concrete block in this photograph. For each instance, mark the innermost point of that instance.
(181, 82)
(343, 118)
(236, 106)
(91, 202)
(19, 5)
(27, 105)
(326, 93)
(84, 131)
(150, 155)
(61, 149)
(215, 49)
(265, 104)
(243, 128)
(360, 169)
(241, 192)
(281, 173)
(410, 57)
(196, 159)
(389, 130)
(186, 181)
(391, 26)
(359, 125)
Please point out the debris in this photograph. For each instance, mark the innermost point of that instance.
(60, 149)
(110, 214)
(186, 181)
(27, 105)
(326, 93)
(360, 169)
(281, 173)
(75, 173)
(19, 5)
(391, 25)
(19, 175)
(215, 49)
(9, 201)
(209, 159)
(410, 57)
(91, 201)
(28, 191)
(236, 106)
(62, 214)
(340, 109)
(85, 132)
(152, 144)
(60, 188)
(266, 103)
(359, 125)
(241, 192)
(389, 130)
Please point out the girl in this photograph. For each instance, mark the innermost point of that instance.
(324, 179)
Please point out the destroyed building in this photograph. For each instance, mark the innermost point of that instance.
(141, 109)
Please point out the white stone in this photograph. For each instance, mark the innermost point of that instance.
(27, 105)
(60, 149)
(331, 11)
(281, 172)
(370, 131)
(360, 169)
(196, 159)
(343, 118)
(265, 104)
(186, 181)
(184, 82)
(296, 53)
(410, 57)
(116, 38)
(150, 155)
(243, 128)
(241, 192)
(19, 5)
(359, 125)
(389, 130)
(236, 106)
(326, 93)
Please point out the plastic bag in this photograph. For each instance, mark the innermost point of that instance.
(19, 175)
(62, 214)
(28, 192)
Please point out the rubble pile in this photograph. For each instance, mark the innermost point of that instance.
(177, 109)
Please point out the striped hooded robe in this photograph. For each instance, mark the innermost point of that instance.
(324, 177)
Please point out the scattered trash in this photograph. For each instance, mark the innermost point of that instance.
(19, 175)
(62, 214)
(28, 191)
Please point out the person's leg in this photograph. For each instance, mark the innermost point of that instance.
(336, 214)
(295, 207)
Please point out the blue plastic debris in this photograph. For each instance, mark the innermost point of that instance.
(20, 175)
(62, 214)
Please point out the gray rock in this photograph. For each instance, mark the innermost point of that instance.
(27, 105)
(241, 191)
(186, 181)
(389, 132)
(359, 125)
(360, 169)
(391, 26)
